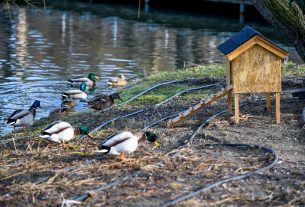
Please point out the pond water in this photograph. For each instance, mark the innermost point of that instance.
(39, 51)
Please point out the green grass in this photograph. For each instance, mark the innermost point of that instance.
(291, 69)
(164, 92)
(159, 94)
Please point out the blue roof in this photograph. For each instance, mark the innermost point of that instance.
(238, 39)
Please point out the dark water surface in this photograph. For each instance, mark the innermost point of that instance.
(40, 51)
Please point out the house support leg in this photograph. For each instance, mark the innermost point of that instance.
(230, 102)
(278, 107)
(236, 105)
(268, 102)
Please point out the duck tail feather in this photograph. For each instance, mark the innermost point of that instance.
(11, 121)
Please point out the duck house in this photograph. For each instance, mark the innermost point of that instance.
(254, 66)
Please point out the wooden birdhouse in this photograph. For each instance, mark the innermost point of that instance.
(254, 66)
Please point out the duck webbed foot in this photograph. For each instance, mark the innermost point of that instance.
(122, 156)
(50, 145)
(65, 145)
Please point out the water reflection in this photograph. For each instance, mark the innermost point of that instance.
(39, 52)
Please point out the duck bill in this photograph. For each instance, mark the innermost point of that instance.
(97, 78)
(90, 135)
(156, 143)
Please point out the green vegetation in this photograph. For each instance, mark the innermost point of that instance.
(159, 94)
(291, 69)
(92, 118)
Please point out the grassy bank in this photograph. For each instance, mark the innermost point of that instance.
(34, 174)
(91, 118)
(216, 72)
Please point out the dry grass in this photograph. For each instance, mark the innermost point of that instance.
(34, 175)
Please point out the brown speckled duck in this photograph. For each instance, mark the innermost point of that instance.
(120, 81)
(102, 101)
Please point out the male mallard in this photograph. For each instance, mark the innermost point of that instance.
(21, 118)
(90, 80)
(103, 101)
(120, 81)
(125, 142)
(62, 132)
(75, 94)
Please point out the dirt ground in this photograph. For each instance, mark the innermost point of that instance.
(32, 174)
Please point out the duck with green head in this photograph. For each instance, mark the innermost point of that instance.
(125, 142)
(22, 117)
(102, 101)
(90, 80)
(62, 132)
(76, 94)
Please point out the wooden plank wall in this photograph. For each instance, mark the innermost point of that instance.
(256, 70)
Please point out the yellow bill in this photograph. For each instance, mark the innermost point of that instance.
(90, 135)
(156, 143)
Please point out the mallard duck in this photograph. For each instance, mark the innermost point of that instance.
(75, 94)
(22, 118)
(103, 101)
(62, 132)
(120, 81)
(67, 104)
(125, 142)
(90, 80)
(62, 111)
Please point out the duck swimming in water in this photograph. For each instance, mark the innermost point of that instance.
(120, 81)
(75, 94)
(90, 80)
(23, 118)
(125, 142)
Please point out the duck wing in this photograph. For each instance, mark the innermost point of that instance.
(72, 92)
(98, 98)
(18, 114)
(77, 80)
(56, 127)
(117, 138)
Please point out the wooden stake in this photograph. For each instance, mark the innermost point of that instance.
(268, 102)
(236, 99)
(278, 107)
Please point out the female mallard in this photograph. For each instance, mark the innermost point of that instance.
(64, 111)
(103, 101)
(62, 132)
(76, 94)
(125, 142)
(67, 104)
(21, 118)
(90, 80)
(120, 81)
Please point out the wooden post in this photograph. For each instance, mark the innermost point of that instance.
(278, 107)
(268, 102)
(230, 102)
(236, 100)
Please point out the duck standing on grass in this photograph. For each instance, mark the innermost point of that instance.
(76, 94)
(90, 80)
(102, 101)
(23, 118)
(120, 81)
(62, 132)
(125, 142)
